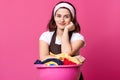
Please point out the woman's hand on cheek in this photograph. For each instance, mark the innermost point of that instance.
(70, 26)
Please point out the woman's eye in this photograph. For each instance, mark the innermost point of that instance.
(58, 16)
(66, 16)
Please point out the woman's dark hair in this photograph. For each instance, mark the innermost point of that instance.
(52, 25)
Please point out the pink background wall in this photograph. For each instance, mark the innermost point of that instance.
(22, 22)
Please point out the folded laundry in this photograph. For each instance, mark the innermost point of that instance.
(61, 59)
(64, 56)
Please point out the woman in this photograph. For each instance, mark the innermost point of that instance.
(63, 36)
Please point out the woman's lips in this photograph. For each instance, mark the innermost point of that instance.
(62, 24)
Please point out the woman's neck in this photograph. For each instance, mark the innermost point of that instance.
(59, 32)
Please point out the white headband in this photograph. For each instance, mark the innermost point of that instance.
(67, 6)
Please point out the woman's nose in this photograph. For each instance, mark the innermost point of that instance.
(62, 19)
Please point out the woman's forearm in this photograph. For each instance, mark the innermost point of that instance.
(66, 46)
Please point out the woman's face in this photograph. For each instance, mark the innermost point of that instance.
(62, 18)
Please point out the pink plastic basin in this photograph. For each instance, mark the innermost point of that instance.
(61, 72)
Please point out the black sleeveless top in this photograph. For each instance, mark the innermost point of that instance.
(54, 48)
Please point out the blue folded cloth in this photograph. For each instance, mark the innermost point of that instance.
(57, 61)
